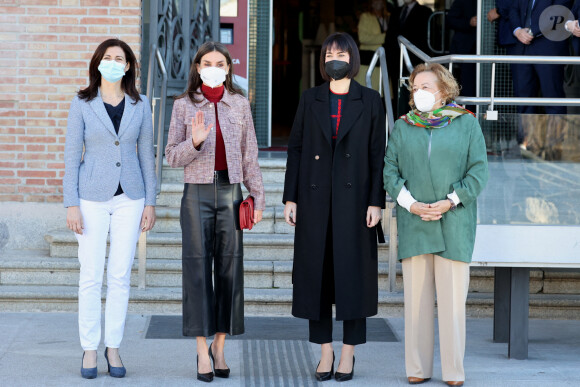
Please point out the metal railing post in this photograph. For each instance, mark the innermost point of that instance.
(382, 59)
(142, 257)
(391, 224)
(161, 123)
(153, 55)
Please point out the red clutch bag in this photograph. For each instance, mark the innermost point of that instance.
(247, 213)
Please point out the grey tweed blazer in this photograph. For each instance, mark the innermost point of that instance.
(108, 158)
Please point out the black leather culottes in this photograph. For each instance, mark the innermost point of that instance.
(211, 234)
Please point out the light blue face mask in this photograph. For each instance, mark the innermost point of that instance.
(111, 70)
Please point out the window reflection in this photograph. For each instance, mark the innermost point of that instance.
(534, 167)
(229, 8)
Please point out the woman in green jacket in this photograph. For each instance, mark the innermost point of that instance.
(435, 167)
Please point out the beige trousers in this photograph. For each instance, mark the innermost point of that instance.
(422, 275)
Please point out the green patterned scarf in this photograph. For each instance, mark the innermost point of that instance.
(443, 116)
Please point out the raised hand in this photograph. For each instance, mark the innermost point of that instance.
(199, 132)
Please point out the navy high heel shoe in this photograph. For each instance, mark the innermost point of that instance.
(88, 373)
(219, 372)
(116, 372)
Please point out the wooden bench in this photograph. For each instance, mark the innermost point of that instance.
(513, 250)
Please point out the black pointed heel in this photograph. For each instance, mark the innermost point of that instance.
(219, 372)
(324, 376)
(208, 377)
(342, 377)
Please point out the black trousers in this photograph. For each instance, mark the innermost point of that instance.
(354, 331)
(210, 234)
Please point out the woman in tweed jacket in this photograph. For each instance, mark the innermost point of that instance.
(212, 136)
(108, 186)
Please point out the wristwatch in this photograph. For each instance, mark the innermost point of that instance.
(453, 205)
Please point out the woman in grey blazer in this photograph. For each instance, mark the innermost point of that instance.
(109, 184)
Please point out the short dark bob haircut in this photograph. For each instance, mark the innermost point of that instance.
(344, 42)
(127, 82)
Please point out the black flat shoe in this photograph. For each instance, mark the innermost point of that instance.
(324, 376)
(208, 377)
(219, 372)
(342, 377)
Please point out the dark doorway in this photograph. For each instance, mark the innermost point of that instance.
(300, 26)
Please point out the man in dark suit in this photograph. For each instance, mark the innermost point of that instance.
(414, 18)
(462, 19)
(505, 36)
(524, 18)
(573, 27)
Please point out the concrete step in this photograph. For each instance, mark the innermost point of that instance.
(44, 270)
(38, 268)
(171, 194)
(272, 221)
(273, 171)
(23, 298)
(269, 247)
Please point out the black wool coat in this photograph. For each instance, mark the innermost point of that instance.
(346, 182)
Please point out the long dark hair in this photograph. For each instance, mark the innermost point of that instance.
(128, 81)
(194, 80)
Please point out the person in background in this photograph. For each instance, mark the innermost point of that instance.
(530, 78)
(212, 136)
(505, 37)
(573, 27)
(333, 195)
(435, 167)
(414, 21)
(462, 19)
(379, 27)
(109, 190)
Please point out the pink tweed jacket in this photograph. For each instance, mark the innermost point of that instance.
(239, 135)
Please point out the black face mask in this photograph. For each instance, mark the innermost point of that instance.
(337, 69)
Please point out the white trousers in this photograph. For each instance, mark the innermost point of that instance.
(422, 275)
(122, 216)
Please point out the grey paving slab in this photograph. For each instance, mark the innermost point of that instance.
(42, 349)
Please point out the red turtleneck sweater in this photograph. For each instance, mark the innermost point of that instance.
(214, 96)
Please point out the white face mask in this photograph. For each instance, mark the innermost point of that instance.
(424, 100)
(212, 76)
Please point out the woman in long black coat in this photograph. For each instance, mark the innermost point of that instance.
(333, 195)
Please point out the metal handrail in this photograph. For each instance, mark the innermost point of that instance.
(406, 46)
(384, 79)
(443, 13)
(154, 54)
(457, 58)
(389, 227)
